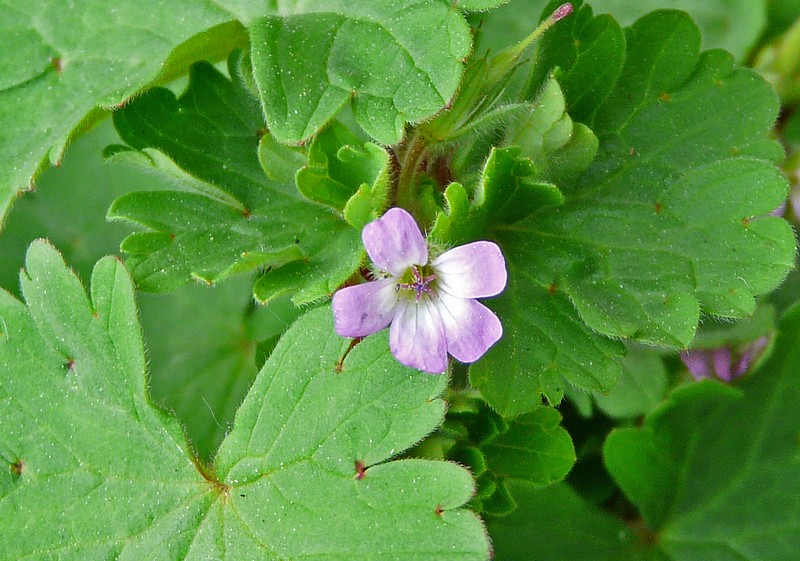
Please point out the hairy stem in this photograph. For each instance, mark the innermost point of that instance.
(410, 159)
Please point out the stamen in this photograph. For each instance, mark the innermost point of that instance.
(419, 284)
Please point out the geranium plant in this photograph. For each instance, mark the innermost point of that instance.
(399, 280)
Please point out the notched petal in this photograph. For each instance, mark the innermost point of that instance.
(364, 309)
(470, 327)
(417, 337)
(475, 270)
(394, 242)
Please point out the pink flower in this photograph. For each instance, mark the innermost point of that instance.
(430, 305)
(725, 363)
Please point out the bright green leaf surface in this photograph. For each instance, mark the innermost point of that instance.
(560, 149)
(200, 368)
(555, 523)
(228, 216)
(296, 441)
(397, 61)
(97, 461)
(63, 64)
(479, 4)
(635, 248)
(346, 174)
(716, 473)
(507, 193)
(86, 451)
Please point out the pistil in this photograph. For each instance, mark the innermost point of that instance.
(420, 284)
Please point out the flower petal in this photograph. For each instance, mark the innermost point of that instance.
(475, 270)
(394, 242)
(416, 337)
(751, 353)
(469, 327)
(722, 363)
(697, 363)
(364, 309)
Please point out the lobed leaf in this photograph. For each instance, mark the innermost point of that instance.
(733, 25)
(228, 216)
(349, 175)
(65, 66)
(586, 53)
(533, 447)
(304, 471)
(714, 471)
(634, 251)
(396, 61)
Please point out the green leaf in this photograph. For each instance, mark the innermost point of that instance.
(396, 61)
(201, 369)
(555, 523)
(346, 174)
(228, 216)
(587, 55)
(734, 25)
(560, 149)
(545, 342)
(69, 208)
(79, 423)
(641, 385)
(535, 448)
(714, 470)
(712, 335)
(303, 471)
(635, 252)
(64, 66)
(508, 192)
(479, 4)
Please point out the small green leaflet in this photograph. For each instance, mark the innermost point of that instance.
(714, 470)
(228, 216)
(64, 65)
(634, 251)
(533, 447)
(346, 174)
(303, 473)
(396, 61)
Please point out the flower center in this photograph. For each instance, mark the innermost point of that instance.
(418, 282)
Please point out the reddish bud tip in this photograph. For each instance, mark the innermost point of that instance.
(563, 11)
